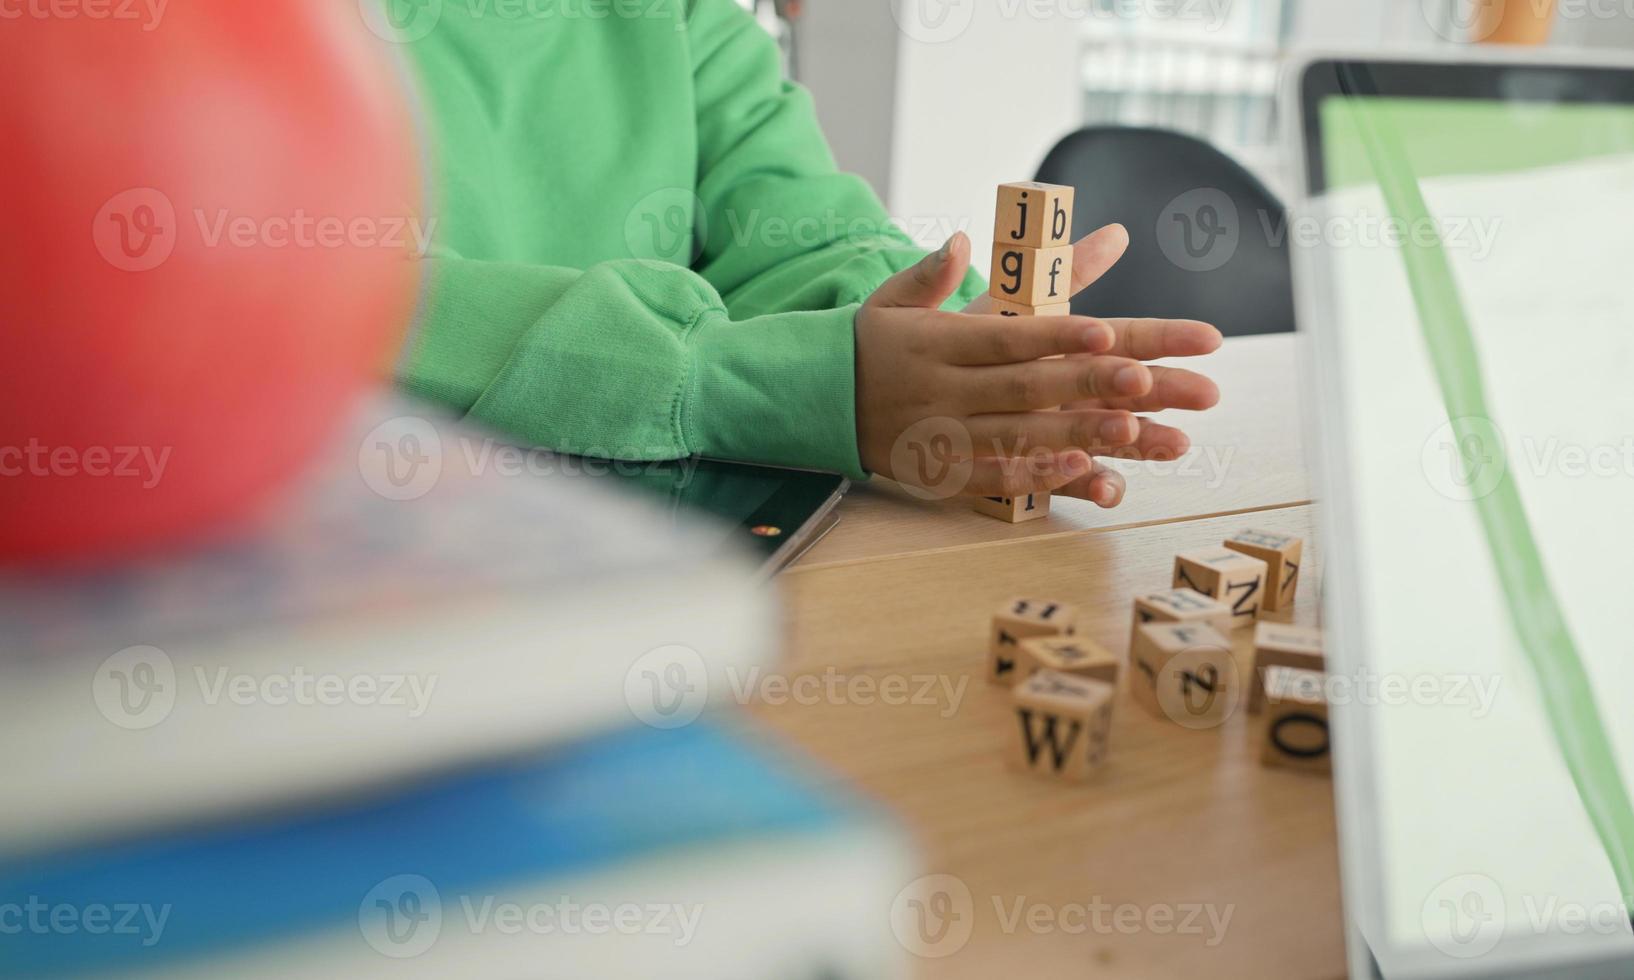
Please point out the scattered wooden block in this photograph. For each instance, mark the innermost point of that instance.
(1014, 509)
(1180, 606)
(1017, 620)
(1032, 276)
(1282, 645)
(1282, 554)
(1296, 721)
(1065, 723)
(1004, 307)
(1034, 215)
(1070, 655)
(1183, 671)
(1229, 576)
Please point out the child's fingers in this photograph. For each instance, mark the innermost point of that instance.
(1158, 442)
(1050, 383)
(1171, 388)
(975, 340)
(992, 476)
(1147, 339)
(928, 282)
(1096, 253)
(1102, 486)
(1017, 433)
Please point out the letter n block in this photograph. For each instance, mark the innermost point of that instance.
(1229, 576)
(1017, 620)
(1064, 724)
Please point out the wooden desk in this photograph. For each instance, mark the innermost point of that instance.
(1246, 454)
(1178, 820)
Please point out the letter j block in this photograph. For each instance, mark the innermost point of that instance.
(1033, 215)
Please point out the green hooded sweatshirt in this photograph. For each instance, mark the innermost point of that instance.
(642, 248)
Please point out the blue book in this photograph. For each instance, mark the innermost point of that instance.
(678, 853)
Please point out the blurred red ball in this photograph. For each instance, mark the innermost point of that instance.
(210, 220)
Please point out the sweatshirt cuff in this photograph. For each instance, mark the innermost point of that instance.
(778, 389)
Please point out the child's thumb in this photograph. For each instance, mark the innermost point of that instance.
(930, 281)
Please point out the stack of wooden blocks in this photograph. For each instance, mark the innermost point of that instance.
(1181, 664)
(1032, 276)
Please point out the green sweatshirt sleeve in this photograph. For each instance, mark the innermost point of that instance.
(748, 355)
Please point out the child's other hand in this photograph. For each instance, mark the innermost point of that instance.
(960, 402)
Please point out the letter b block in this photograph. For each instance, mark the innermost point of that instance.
(1034, 215)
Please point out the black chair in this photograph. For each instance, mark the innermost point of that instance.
(1207, 240)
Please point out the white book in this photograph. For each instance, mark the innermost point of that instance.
(413, 605)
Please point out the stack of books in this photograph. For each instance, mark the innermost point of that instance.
(419, 733)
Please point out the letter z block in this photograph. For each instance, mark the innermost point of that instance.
(1282, 554)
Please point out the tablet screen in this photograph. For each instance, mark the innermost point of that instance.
(1475, 237)
(760, 508)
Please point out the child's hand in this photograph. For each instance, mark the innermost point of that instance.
(958, 402)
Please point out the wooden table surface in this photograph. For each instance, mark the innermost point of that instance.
(1181, 825)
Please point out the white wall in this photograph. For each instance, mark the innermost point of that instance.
(848, 52)
(981, 97)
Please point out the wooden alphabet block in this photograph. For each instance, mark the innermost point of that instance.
(1282, 554)
(1032, 276)
(1296, 721)
(1004, 307)
(1065, 724)
(1282, 645)
(1183, 671)
(1229, 576)
(1014, 509)
(1068, 655)
(1017, 620)
(1180, 605)
(1034, 215)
